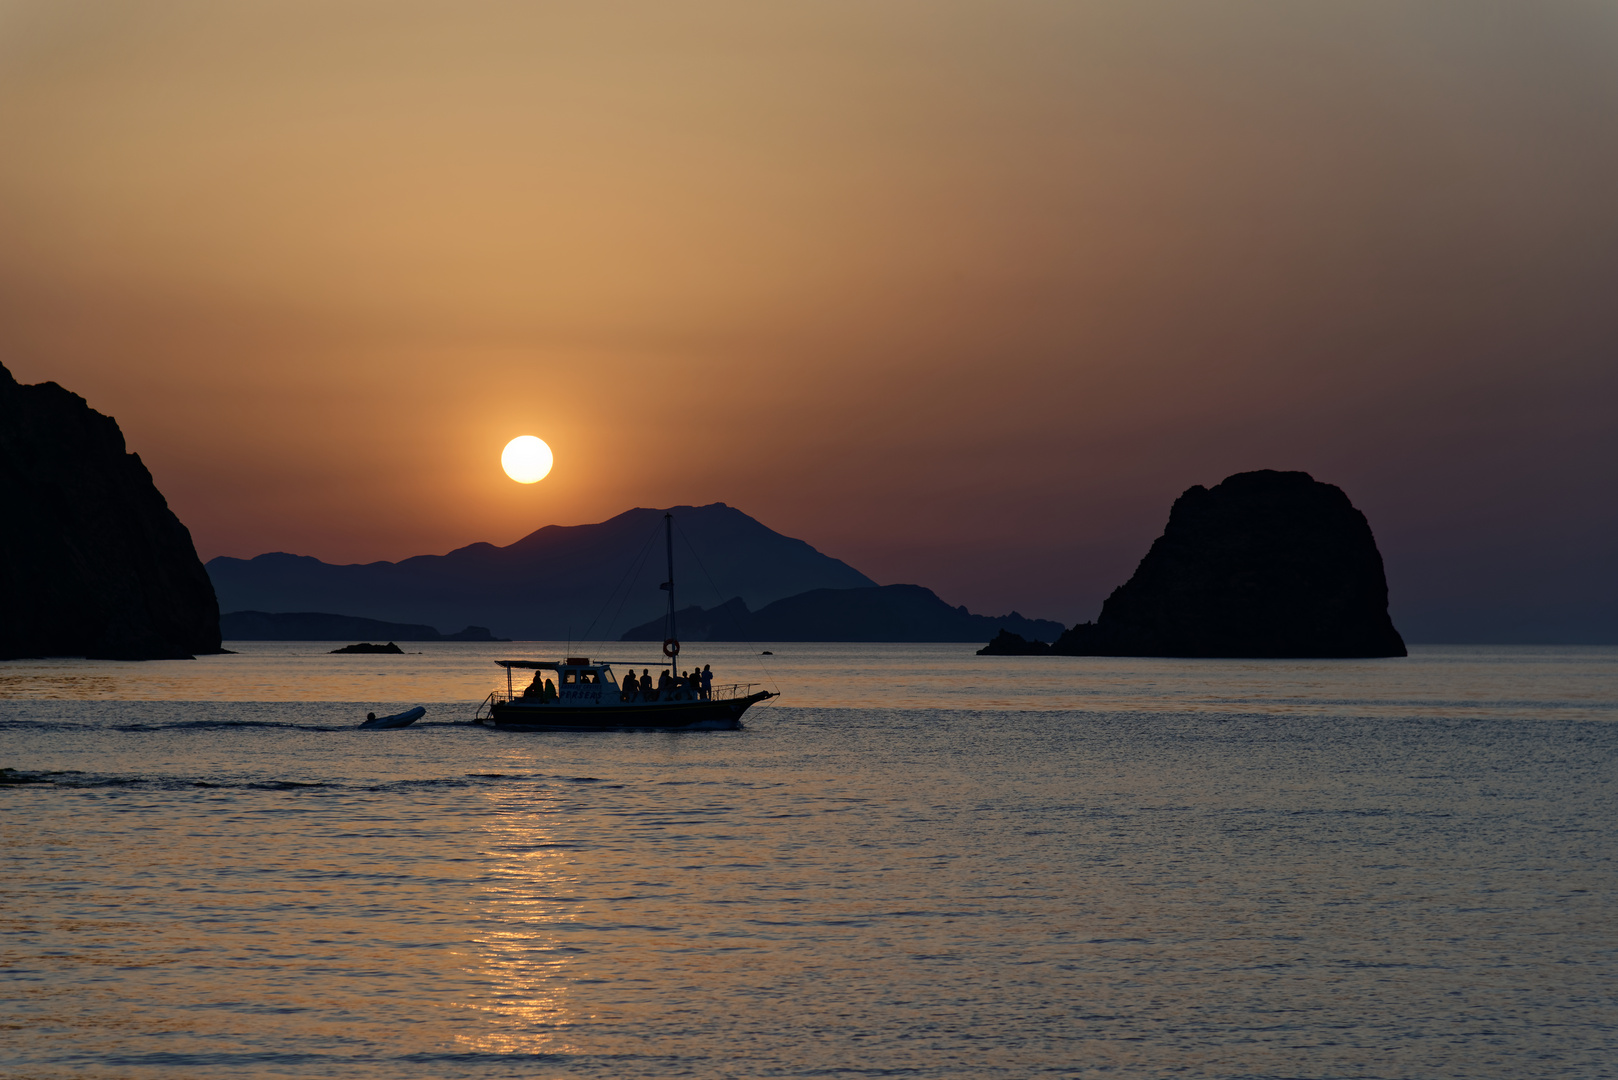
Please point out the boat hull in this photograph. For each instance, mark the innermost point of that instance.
(554, 716)
(397, 720)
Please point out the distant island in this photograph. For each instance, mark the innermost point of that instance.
(549, 584)
(320, 626)
(367, 647)
(1265, 564)
(878, 613)
(92, 561)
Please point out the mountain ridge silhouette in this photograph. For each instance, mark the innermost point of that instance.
(551, 584)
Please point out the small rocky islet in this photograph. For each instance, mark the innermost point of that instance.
(370, 648)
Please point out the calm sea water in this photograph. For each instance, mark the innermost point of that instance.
(918, 863)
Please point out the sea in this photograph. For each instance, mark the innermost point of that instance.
(916, 862)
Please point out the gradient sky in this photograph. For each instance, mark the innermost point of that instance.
(962, 293)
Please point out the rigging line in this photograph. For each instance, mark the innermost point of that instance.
(633, 567)
(645, 553)
(721, 599)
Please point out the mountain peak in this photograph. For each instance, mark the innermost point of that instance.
(559, 581)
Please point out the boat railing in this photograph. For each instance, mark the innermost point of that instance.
(725, 692)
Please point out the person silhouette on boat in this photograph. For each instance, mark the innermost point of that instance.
(541, 688)
(707, 683)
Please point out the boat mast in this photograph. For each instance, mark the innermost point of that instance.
(668, 535)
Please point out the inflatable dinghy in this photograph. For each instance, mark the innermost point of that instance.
(404, 719)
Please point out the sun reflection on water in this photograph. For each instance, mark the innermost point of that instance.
(519, 957)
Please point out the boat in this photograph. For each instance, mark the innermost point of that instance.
(587, 695)
(404, 719)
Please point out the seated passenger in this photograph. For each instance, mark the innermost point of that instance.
(548, 693)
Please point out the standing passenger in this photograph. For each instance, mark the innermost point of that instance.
(707, 683)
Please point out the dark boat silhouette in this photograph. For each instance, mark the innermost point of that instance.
(397, 720)
(586, 694)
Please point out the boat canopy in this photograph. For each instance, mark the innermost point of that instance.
(554, 665)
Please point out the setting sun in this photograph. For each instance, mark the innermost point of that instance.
(526, 459)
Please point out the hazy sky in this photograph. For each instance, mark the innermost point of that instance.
(964, 294)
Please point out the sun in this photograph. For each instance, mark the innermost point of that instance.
(526, 459)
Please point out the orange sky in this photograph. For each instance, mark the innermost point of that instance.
(964, 294)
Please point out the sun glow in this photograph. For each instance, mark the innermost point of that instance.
(526, 459)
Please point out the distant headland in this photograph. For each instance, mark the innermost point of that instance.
(1265, 564)
(320, 626)
(878, 613)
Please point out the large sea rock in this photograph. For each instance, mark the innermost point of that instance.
(1265, 564)
(92, 560)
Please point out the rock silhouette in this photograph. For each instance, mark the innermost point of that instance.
(878, 613)
(1006, 643)
(1265, 564)
(92, 560)
(371, 648)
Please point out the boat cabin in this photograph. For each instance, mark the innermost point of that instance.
(578, 681)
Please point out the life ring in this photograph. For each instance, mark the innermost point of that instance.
(671, 647)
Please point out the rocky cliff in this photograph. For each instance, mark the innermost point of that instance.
(92, 560)
(1265, 564)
